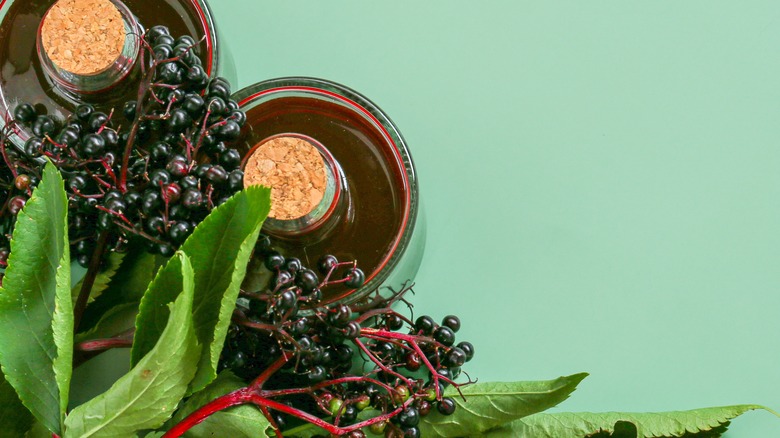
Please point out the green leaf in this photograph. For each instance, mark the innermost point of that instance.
(63, 326)
(103, 278)
(36, 313)
(489, 405)
(126, 286)
(219, 248)
(146, 397)
(15, 419)
(117, 320)
(153, 311)
(244, 421)
(697, 422)
(37, 430)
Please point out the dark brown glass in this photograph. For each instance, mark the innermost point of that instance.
(368, 229)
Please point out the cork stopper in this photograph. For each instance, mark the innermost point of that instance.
(83, 37)
(296, 172)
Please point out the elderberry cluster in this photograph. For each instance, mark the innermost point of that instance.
(157, 173)
(348, 358)
(292, 287)
(15, 189)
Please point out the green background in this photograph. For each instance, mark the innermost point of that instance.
(601, 179)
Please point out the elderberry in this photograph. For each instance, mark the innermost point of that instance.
(192, 199)
(180, 231)
(340, 315)
(446, 406)
(179, 120)
(306, 279)
(69, 137)
(425, 324)
(409, 417)
(273, 261)
(412, 432)
(468, 349)
(44, 126)
(97, 120)
(354, 278)
(25, 113)
(16, 204)
(93, 145)
(451, 321)
(456, 357)
(326, 263)
(445, 335)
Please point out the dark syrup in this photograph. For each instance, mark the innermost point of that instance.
(370, 228)
(22, 78)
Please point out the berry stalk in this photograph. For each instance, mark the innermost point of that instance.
(89, 279)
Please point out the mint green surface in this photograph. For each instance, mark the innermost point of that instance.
(601, 180)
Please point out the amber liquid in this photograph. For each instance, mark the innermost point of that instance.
(369, 227)
(22, 78)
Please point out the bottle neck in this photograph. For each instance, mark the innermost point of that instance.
(329, 211)
(83, 84)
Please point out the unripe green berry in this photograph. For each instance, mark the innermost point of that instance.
(401, 394)
(335, 406)
(378, 428)
(363, 402)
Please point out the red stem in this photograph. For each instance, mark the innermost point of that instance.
(321, 385)
(379, 363)
(276, 366)
(273, 422)
(235, 398)
(253, 394)
(411, 340)
(265, 399)
(104, 344)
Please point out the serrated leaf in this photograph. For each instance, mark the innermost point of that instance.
(15, 419)
(103, 278)
(244, 421)
(153, 311)
(62, 327)
(219, 249)
(675, 424)
(146, 397)
(489, 405)
(36, 313)
(126, 286)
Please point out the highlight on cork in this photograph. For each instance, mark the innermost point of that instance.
(294, 169)
(83, 37)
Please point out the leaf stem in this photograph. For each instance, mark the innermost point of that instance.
(104, 344)
(89, 279)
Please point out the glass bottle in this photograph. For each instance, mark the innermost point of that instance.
(374, 217)
(28, 76)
